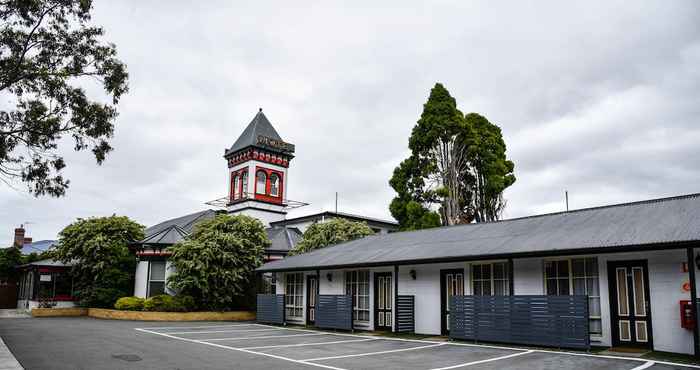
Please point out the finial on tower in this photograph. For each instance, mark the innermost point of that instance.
(260, 110)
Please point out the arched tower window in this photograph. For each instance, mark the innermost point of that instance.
(244, 181)
(274, 185)
(235, 184)
(261, 182)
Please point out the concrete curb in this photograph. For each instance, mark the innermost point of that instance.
(101, 313)
(7, 359)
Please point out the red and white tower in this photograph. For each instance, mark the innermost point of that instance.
(257, 166)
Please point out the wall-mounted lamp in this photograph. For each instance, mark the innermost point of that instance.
(413, 274)
(329, 276)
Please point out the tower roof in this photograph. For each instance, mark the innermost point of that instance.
(260, 133)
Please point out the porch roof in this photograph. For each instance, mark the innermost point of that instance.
(639, 225)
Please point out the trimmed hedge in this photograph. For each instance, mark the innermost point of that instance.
(130, 304)
(167, 303)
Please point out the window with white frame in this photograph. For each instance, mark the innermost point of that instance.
(294, 295)
(577, 276)
(156, 278)
(261, 182)
(244, 181)
(269, 285)
(490, 279)
(357, 285)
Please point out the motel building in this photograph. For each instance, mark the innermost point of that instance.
(614, 276)
(257, 168)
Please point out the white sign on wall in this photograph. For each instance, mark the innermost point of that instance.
(44, 277)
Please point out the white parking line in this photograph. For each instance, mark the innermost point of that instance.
(265, 337)
(374, 353)
(311, 344)
(219, 331)
(484, 361)
(645, 365)
(242, 350)
(200, 327)
(645, 362)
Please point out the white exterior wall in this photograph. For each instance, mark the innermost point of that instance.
(141, 279)
(666, 279)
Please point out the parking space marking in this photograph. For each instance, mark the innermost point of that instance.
(312, 344)
(374, 353)
(201, 327)
(645, 365)
(486, 360)
(265, 337)
(219, 331)
(241, 350)
(645, 362)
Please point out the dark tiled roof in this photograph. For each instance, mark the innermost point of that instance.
(259, 126)
(47, 263)
(640, 224)
(174, 230)
(283, 239)
(328, 214)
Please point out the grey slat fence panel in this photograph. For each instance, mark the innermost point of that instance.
(334, 312)
(270, 308)
(405, 314)
(555, 321)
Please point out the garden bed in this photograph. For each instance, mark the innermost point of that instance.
(102, 313)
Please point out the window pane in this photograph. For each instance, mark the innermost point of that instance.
(499, 287)
(578, 267)
(579, 286)
(552, 287)
(274, 185)
(592, 286)
(261, 183)
(486, 272)
(563, 286)
(595, 326)
(156, 288)
(499, 270)
(549, 270)
(477, 271)
(592, 266)
(594, 307)
(563, 269)
(157, 270)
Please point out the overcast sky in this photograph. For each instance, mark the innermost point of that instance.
(602, 99)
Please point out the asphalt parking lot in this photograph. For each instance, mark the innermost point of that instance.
(85, 343)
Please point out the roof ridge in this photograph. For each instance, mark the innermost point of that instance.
(625, 204)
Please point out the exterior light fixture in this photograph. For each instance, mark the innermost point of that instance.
(413, 274)
(329, 276)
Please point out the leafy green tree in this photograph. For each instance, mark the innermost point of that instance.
(9, 258)
(103, 267)
(215, 264)
(337, 230)
(457, 166)
(49, 54)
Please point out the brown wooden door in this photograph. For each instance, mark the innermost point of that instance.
(629, 303)
(383, 299)
(311, 299)
(451, 283)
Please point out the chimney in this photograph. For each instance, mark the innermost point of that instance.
(19, 237)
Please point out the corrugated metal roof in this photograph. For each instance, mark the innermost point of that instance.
(651, 222)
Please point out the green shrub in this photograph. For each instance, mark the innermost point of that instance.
(186, 302)
(98, 297)
(129, 303)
